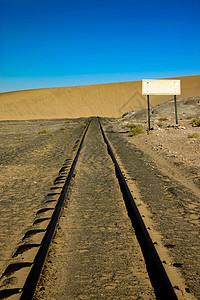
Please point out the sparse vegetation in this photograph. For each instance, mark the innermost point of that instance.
(62, 128)
(43, 131)
(196, 122)
(20, 138)
(160, 124)
(67, 121)
(39, 151)
(44, 150)
(162, 119)
(47, 147)
(51, 134)
(136, 129)
(193, 135)
(130, 125)
(82, 124)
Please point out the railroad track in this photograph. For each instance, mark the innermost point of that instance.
(50, 215)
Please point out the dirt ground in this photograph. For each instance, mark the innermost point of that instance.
(163, 165)
(30, 161)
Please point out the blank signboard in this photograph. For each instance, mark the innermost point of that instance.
(161, 87)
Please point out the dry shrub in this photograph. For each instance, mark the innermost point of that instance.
(196, 122)
(193, 135)
(130, 125)
(162, 119)
(137, 129)
(43, 131)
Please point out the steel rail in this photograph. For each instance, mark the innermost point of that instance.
(34, 274)
(158, 276)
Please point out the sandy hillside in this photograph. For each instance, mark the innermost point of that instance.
(106, 100)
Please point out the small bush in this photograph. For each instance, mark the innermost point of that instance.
(193, 135)
(162, 119)
(82, 124)
(51, 134)
(160, 124)
(62, 128)
(68, 121)
(39, 151)
(138, 129)
(48, 147)
(130, 125)
(20, 138)
(43, 131)
(196, 122)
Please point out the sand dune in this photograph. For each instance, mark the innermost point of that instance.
(106, 100)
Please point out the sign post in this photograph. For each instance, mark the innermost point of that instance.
(149, 125)
(161, 87)
(176, 115)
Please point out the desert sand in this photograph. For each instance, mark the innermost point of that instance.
(104, 100)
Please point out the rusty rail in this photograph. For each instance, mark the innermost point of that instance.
(158, 276)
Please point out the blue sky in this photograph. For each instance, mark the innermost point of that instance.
(76, 42)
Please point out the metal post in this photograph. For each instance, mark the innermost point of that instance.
(176, 116)
(149, 126)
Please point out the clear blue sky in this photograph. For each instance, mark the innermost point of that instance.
(76, 42)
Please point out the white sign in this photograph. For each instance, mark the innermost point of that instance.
(161, 87)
